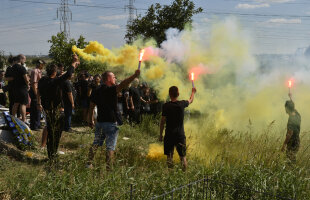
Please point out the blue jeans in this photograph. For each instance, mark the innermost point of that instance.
(107, 131)
(68, 116)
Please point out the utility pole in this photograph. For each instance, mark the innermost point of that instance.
(64, 14)
(131, 16)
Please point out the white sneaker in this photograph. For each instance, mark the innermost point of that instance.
(61, 152)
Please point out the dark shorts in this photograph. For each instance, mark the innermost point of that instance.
(21, 96)
(179, 143)
(293, 145)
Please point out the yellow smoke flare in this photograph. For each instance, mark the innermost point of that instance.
(125, 56)
(156, 153)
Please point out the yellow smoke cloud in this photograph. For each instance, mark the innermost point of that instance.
(234, 96)
(156, 152)
(125, 56)
(157, 69)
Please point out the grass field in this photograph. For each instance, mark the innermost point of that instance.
(243, 159)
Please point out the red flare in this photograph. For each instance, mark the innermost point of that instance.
(193, 76)
(141, 54)
(290, 84)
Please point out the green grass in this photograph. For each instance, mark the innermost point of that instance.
(246, 159)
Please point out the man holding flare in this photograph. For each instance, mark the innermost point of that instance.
(292, 140)
(105, 98)
(173, 118)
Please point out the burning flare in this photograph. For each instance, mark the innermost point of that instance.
(290, 83)
(193, 77)
(141, 55)
(140, 60)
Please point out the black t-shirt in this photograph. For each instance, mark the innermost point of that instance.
(105, 97)
(50, 89)
(146, 106)
(93, 87)
(293, 124)
(18, 74)
(9, 73)
(135, 94)
(83, 84)
(66, 88)
(174, 113)
(155, 107)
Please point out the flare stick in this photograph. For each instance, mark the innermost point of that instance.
(140, 60)
(193, 77)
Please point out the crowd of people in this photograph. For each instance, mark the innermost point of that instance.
(105, 103)
(29, 92)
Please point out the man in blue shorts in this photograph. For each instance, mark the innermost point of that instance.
(105, 97)
(173, 117)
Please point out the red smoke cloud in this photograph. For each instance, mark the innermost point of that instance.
(199, 70)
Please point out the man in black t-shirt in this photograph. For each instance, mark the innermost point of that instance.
(68, 94)
(292, 141)
(135, 101)
(21, 87)
(49, 99)
(173, 117)
(9, 77)
(105, 97)
(154, 103)
(83, 90)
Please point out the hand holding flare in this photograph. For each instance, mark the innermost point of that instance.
(141, 56)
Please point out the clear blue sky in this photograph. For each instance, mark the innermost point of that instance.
(276, 26)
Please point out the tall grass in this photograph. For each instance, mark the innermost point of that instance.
(244, 159)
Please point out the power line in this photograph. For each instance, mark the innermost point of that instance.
(279, 3)
(20, 26)
(131, 9)
(77, 5)
(12, 7)
(64, 14)
(254, 14)
(29, 27)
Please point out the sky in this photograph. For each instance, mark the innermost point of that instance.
(275, 26)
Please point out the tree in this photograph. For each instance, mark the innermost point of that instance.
(61, 49)
(3, 60)
(159, 18)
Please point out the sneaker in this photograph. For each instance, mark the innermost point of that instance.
(61, 152)
(70, 130)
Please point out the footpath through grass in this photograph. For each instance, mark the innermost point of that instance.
(244, 160)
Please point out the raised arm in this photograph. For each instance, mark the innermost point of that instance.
(191, 99)
(70, 70)
(127, 81)
(290, 96)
